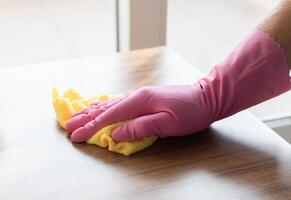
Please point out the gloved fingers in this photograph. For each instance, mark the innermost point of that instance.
(108, 104)
(85, 111)
(100, 103)
(96, 105)
(144, 126)
(104, 104)
(82, 119)
(76, 122)
(83, 133)
(128, 108)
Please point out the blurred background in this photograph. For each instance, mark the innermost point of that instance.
(201, 31)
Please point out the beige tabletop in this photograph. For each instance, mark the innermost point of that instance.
(236, 158)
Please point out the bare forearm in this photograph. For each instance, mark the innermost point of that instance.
(278, 26)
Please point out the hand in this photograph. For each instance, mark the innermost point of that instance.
(159, 111)
(255, 71)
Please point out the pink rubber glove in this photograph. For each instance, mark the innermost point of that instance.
(255, 71)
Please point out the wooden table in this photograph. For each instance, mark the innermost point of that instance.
(237, 158)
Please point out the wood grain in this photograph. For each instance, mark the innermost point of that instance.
(236, 158)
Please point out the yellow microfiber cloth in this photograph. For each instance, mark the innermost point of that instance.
(72, 102)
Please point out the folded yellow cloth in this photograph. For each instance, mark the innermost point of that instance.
(72, 102)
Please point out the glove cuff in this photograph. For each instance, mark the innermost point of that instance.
(255, 71)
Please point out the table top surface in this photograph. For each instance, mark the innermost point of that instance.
(236, 158)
